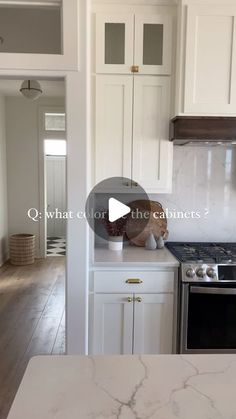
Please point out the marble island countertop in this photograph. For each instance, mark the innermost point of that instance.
(128, 387)
(134, 256)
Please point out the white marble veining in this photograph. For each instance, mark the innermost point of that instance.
(204, 181)
(134, 256)
(128, 387)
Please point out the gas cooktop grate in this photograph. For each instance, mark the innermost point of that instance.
(203, 252)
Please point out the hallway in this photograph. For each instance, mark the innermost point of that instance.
(32, 319)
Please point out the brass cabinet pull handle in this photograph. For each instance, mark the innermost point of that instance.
(134, 281)
(138, 299)
(135, 69)
(129, 299)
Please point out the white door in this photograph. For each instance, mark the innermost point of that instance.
(152, 150)
(56, 194)
(210, 60)
(113, 324)
(153, 44)
(113, 142)
(114, 43)
(153, 323)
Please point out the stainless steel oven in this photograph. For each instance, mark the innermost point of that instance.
(208, 310)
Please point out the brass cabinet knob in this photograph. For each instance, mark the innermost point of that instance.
(129, 299)
(135, 69)
(134, 281)
(138, 299)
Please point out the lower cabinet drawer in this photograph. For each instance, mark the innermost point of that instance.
(133, 282)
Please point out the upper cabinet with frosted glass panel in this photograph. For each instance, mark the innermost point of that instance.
(38, 35)
(114, 43)
(133, 43)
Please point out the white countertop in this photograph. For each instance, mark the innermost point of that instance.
(128, 387)
(134, 256)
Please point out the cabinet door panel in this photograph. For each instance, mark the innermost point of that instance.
(113, 324)
(114, 43)
(153, 324)
(153, 42)
(113, 126)
(210, 41)
(152, 151)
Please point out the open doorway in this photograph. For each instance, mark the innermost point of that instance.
(55, 165)
(32, 297)
(55, 181)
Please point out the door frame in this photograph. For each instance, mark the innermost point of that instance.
(42, 175)
(78, 181)
(78, 109)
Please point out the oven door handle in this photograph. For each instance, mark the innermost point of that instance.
(219, 291)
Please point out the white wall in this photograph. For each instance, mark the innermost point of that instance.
(22, 162)
(3, 186)
(204, 181)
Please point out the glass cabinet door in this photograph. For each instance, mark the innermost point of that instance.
(39, 35)
(114, 43)
(153, 39)
(21, 30)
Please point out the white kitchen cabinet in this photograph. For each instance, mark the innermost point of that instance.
(114, 43)
(153, 324)
(113, 324)
(153, 44)
(133, 282)
(133, 323)
(127, 43)
(152, 151)
(132, 130)
(132, 312)
(210, 64)
(113, 130)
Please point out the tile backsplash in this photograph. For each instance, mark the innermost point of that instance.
(204, 182)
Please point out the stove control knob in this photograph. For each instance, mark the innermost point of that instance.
(190, 273)
(211, 273)
(200, 273)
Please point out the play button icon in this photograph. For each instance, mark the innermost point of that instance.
(117, 209)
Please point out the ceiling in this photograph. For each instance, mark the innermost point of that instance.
(50, 88)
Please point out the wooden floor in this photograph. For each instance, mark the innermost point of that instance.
(32, 320)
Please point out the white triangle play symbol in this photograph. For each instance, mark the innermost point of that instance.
(117, 209)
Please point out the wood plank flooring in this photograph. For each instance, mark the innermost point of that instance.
(32, 320)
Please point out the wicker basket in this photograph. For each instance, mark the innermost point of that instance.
(22, 249)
